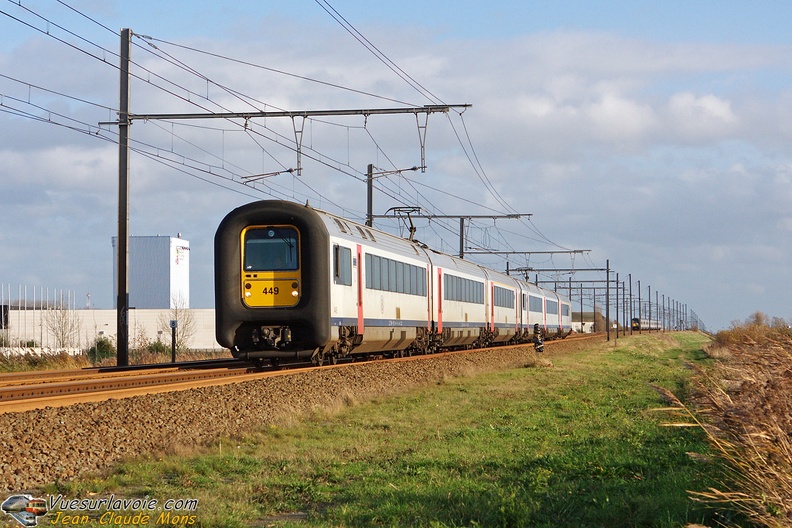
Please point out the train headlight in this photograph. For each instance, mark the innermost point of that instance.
(294, 293)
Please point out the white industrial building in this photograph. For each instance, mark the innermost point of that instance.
(159, 272)
(49, 330)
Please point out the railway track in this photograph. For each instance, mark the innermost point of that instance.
(32, 390)
(37, 389)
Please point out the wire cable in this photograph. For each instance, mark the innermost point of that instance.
(335, 15)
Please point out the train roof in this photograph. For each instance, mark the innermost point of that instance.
(346, 229)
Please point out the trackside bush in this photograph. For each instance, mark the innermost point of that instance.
(102, 348)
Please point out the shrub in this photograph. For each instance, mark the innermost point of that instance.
(158, 347)
(102, 348)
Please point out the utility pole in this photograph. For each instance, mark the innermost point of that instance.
(639, 307)
(607, 300)
(617, 304)
(122, 299)
(629, 275)
(369, 194)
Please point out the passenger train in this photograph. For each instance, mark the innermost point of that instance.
(293, 282)
(645, 324)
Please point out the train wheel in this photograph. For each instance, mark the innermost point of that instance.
(275, 362)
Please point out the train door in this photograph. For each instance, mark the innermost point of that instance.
(439, 278)
(491, 321)
(357, 265)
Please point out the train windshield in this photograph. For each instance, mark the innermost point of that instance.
(271, 249)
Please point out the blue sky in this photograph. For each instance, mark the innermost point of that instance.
(655, 134)
(699, 21)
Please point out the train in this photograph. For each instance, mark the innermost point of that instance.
(645, 324)
(296, 282)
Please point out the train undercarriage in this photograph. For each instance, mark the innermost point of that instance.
(276, 343)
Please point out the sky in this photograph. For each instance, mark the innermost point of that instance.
(653, 137)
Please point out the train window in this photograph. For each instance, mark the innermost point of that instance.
(503, 297)
(376, 276)
(399, 277)
(342, 265)
(565, 310)
(271, 249)
(459, 289)
(394, 276)
(383, 274)
(552, 307)
(535, 304)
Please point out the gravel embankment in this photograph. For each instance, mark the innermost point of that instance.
(52, 444)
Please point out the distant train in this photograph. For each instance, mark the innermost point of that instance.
(645, 324)
(292, 281)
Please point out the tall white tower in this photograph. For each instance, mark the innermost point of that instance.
(159, 272)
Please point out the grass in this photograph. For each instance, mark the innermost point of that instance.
(61, 360)
(571, 443)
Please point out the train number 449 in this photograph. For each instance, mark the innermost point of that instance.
(271, 291)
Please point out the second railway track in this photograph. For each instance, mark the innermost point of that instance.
(30, 390)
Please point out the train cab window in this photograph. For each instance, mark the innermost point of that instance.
(342, 265)
(271, 249)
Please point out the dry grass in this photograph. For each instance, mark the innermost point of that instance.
(745, 400)
(33, 361)
(63, 361)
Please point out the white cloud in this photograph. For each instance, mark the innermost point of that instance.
(701, 118)
(620, 119)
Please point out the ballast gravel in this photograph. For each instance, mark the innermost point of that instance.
(60, 444)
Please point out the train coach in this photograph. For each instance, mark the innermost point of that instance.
(645, 324)
(293, 282)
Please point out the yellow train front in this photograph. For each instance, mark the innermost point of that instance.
(271, 283)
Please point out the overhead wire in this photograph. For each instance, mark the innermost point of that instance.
(357, 35)
(472, 156)
(280, 72)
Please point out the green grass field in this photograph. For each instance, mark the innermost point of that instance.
(574, 441)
